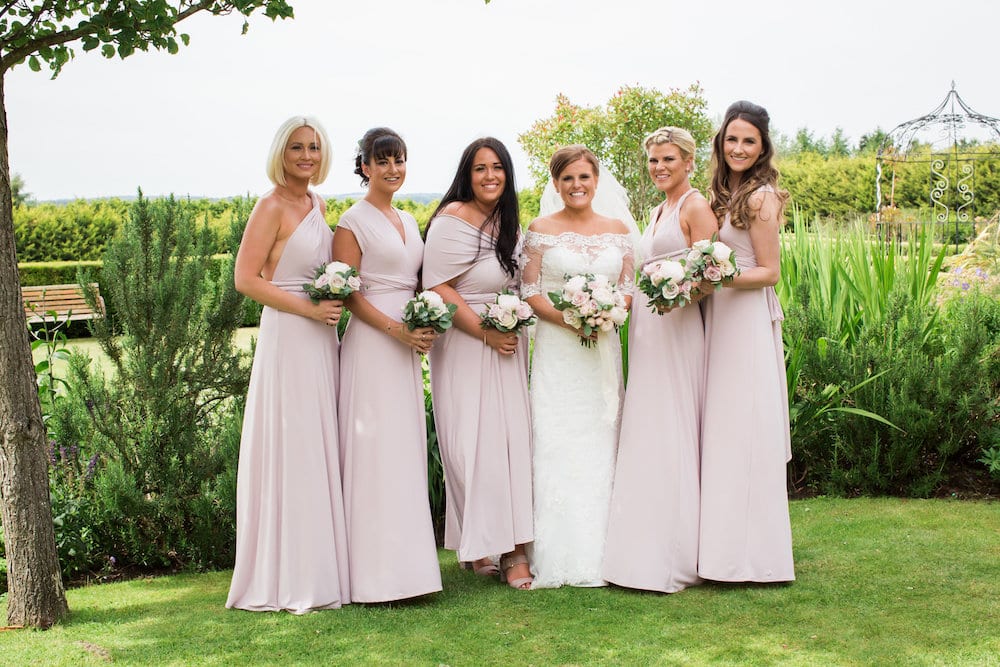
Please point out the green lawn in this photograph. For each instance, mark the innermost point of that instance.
(880, 582)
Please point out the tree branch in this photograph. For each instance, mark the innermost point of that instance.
(15, 56)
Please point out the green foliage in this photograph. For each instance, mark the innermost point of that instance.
(43, 33)
(56, 273)
(614, 132)
(79, 230)
(435, 467)
(162, 422)
(887, 388)
(18, 195)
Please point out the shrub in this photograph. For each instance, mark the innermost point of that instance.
(162, 421)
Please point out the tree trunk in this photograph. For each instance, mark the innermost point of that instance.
(35, 590)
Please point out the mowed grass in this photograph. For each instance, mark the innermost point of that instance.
(880, 582)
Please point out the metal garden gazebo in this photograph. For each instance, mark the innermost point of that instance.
(951, 140)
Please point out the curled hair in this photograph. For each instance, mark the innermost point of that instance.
(504, 221)
(761, 173)
(378, 143)
(677, 136)
(567, 155)
(276, 155)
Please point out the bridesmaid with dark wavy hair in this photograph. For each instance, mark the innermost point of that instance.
(383, 429)
(479, 377)
(745, 532)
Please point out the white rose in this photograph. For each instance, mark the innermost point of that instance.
(701, 245)
(495, 312)
(432, 298)
(508, 320)
(669, 291)
(721, 252)
(354, 282)
(603, 295)
(337, 281)
(587, 308)
(607, 325)
(322, 281)
(524, 311)
(694, 256)
(336, 267)
(598, 282)
(575, 284)
(570, 318)
(618, 314)
(508, 301)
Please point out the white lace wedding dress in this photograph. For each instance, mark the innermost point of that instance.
(575, 405)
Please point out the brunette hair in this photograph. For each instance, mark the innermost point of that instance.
(567, 155)
(761, 173)
(276, 156)
(377, 144)
(504, 221)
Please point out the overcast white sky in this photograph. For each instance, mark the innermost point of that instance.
(443, 72)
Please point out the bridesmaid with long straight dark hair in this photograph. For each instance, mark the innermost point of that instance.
(383, 436)
(479, 377)
(745, 530)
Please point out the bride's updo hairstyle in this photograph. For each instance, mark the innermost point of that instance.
(379, 143)
(677, 136)
(567, 155)
(276, 156)
(763, 172)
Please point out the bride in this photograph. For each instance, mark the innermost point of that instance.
(575, 389)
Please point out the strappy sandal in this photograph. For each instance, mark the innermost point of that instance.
(508, 562)
(488, 569)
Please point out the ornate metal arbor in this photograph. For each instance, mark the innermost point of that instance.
(951, 139)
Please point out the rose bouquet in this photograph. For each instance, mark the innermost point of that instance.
(712, 260)
(590, 303)
(334, 280)
(507, 313)
(428, 309)
(667, 283)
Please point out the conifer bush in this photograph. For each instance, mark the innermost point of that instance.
(161, 422)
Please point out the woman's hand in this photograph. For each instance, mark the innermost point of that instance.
(504, 343)
(420, 339)
(327, 311)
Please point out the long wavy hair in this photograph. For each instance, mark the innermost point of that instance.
(763, 172)
(504, 221)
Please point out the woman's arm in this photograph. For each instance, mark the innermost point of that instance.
(467, 321)
(347, 250)
(259, 238)
(765, 238)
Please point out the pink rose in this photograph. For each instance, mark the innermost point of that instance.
(713, 273)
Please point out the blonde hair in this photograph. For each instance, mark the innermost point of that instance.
(275, 157)
(677, 136)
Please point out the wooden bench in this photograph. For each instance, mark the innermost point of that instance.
(66, 301)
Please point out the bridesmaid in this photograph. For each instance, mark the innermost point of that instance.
(745, 530)
(383, 433)
(653, 527)
(479, 377)
(291, 537)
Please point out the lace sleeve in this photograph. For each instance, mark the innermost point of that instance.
(626, 280)
(531, 265)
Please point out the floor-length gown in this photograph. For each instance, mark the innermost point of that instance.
(383, 430)
(652, 539)
(575, 404)
(745, 529)
(291, 536)
(480, 404)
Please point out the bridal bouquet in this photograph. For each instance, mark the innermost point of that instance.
(334, 280)
(712, 260)
(428, 309)
(590, 303)
(667, 283)
(507, 313)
